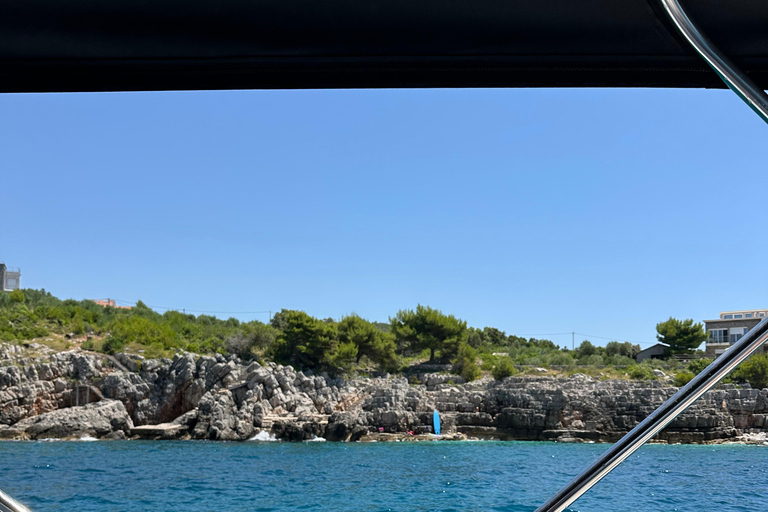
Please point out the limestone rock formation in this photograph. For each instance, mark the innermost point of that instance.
(73, 393)
(104, 419)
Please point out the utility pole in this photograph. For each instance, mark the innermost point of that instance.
(573, 341)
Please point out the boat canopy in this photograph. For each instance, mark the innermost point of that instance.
(106, 45)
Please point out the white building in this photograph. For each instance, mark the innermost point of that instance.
(729, 328)
(10, 278)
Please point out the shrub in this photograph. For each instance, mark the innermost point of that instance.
(489, 361)
(754, 371)
(155, 351)
(697, 365)
(618, 360)
(261, 335)
(503, 369)
(534, 361)
(465, 363)
(414, 380)
(640, 372)
(561, 359)
(113, 345)
(626, 349)
(683, 378)
(240, 345)
(593, 360)
(142, 330)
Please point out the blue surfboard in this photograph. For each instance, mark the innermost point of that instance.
(436, 422)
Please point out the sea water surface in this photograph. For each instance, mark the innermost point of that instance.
(429, 476)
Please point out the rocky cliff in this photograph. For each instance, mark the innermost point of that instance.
(44, 394)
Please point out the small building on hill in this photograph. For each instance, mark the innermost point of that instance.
(656, 351)
(10, 278)
(110, 303)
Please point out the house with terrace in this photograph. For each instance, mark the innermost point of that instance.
(729, 328)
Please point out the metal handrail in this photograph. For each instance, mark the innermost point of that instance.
(8, 504)
(755, 97)
(659, 418)
(733, 77)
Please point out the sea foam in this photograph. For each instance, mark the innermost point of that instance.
(264, 436)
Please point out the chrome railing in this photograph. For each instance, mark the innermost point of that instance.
(757, 100)
(658, 419)
(733, 77)
(8, 504)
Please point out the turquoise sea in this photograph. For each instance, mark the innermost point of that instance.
(430, 476)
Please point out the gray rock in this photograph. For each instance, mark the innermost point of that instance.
(221, 398)
(101, 420)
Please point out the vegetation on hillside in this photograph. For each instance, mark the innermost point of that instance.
(352, 343)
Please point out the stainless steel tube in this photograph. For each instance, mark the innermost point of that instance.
(733, 77)
(8, 504)
(659, 418)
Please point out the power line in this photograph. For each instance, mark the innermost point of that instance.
(617, 339)
(197, 310)
(543, 334)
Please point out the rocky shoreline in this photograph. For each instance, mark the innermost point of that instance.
(69, 395)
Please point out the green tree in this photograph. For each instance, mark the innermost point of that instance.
(626, 349)
(306, 342)
(682, 336)
(369, 340)
(475, 338)
(17, 296)
(465, 363)
(344, 357)
(586, 349)
(279, 320)
(427, 328)
(494, 336)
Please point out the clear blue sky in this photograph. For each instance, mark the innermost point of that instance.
(535, 211)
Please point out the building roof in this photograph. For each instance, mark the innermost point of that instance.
(716, 320)
(109, 302)
(743, 311)
(659, 344)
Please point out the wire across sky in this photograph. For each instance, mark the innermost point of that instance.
(269, 312)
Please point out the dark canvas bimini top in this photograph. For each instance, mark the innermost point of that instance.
(93, 45)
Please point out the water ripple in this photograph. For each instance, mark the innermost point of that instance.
(424, 477)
